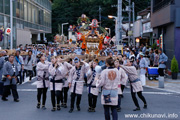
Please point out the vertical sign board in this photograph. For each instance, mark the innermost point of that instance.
(161, 41)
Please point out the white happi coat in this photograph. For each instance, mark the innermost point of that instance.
(123, 80)
(67, 68)
(109, 80)
(59, 73)
(133, 75)
(80, 82)
(89, 75)
(41, 68)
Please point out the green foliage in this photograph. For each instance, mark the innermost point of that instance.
(154, 46)
(174, 65)
(70, 10)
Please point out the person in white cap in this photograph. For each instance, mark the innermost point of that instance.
(76, 82)
(143, 65)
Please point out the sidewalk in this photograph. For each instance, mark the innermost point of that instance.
(169, 84)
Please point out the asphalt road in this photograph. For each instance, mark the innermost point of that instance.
(161, 105)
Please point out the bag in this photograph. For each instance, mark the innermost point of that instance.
(107, 98)
(108, 94)
(112, 93)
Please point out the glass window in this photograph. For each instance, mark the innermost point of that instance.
(33, 14)
(29, 12)
(1, 6)
(25, 11)
(36, 14)
(1, 21)
(21, 9)
(7, 7)
(18, 8)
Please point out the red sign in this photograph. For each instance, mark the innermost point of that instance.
(8, 31)
(158, 43)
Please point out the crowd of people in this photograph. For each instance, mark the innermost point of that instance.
(59, 75)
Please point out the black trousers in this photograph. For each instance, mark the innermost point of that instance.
(113, 111)
(133, 94)
(64, 94)
(20, 79)
(1, 88)
(73, 96)
(92, 99)
(34, 70)
(28, 73)
(55, 97)
(161, 71)
(119, 101)
(122, 87)
(6, 90)
(40, 92)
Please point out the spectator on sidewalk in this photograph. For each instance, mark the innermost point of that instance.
(131, 54)
(162, 62)
(156, 59)
(151, 55)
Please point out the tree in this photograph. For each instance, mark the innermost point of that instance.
(69, 11)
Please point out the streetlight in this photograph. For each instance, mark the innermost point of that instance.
(116, 30)
(62, 27)
(112, 17)
(109, 30)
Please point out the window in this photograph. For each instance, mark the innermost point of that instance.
(1, 21)
(25, 11)
(18, 8)
(1, 6)
(21, 9)
(33, 14)
(29, 12)
(7, 7)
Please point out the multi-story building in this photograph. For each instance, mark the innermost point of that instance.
(31, 20)
(165, 21)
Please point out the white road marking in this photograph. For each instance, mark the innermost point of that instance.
(163, 89)
(27, 90)
(34, 83)
(155, 93)
(26, 80)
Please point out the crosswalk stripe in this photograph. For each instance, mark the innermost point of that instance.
(153, 93)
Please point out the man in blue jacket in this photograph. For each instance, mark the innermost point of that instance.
(162, 62)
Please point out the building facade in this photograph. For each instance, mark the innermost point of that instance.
(142, 28)
(165, 20)
(31, 19)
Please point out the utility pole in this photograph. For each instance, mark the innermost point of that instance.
(119, 23)
(100, 14)
(133, 6)
(129, 37)
(11, 21)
